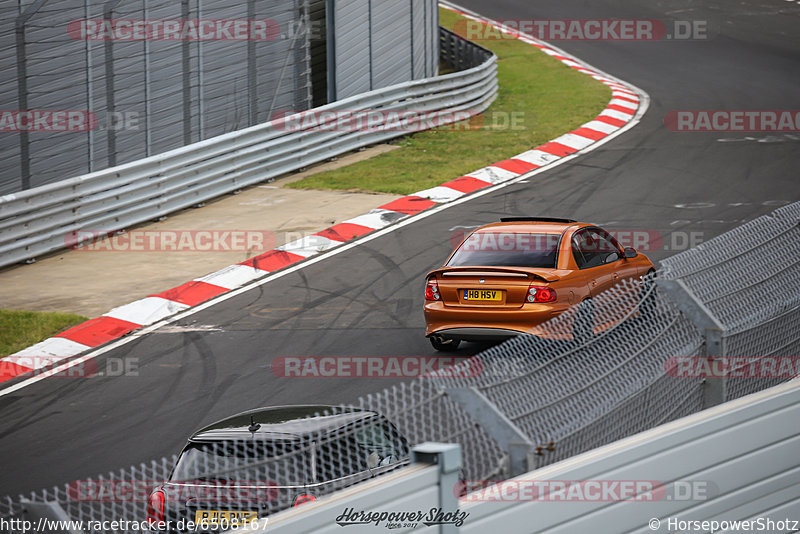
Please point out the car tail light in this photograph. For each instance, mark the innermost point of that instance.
(432, 290)
(303, 499)
(541, 294)
(155, 510)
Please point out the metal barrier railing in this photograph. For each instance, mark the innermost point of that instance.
(50, 217)
(459, 54)
(535, 400)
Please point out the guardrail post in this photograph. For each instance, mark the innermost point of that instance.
(448, 457)
(715, 388)
(521, 451)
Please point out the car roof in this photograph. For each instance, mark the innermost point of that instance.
(283, 422)
(529, 226)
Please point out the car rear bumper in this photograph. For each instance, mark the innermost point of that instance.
(478, 324)
(477, 334)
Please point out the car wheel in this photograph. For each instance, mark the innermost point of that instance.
(583, 325)
(647, 295)
(444, 344)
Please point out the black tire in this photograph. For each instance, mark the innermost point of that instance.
(647, 295)
(443, 344)
(583, 326)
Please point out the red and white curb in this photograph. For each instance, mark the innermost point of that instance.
(619, 112)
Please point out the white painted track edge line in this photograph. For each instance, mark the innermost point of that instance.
(644, 104)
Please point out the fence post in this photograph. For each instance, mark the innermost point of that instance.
(186, 73)
(521, 451)
(49, 511)
(111, 92)
(22, 88)
(715, 388)
(448, 457)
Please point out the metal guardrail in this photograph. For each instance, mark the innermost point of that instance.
(459, 54)
(735, 463)
(531, 402)
(49, 218)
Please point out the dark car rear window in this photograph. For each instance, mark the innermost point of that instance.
(291, 462)
(502, 249)
(282, 463)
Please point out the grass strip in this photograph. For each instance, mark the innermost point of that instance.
(543, 96)
(21, 329)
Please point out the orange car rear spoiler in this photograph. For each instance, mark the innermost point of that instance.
(545, 275)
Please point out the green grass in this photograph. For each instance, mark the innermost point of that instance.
(549, 98)
(20, 329)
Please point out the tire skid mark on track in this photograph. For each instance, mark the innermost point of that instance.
(99, 335)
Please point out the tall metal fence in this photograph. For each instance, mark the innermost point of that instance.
(538, 399)
(148, 94)
(749, 281)
(51, 217)
(379, 44)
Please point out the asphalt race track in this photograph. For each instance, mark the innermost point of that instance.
(367, 301)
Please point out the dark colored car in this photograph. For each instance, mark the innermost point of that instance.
(255, 463)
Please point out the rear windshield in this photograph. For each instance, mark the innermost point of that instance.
(293, 462)
(281, 463)
(507, 250)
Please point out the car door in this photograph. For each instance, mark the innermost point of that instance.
(608, 267)
(592, 251)
(620, 269)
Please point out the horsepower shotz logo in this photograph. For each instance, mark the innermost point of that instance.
(402, 519)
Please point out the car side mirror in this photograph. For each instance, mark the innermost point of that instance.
(611, 258)
(630, 252)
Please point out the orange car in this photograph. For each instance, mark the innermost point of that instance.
(506, 278)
